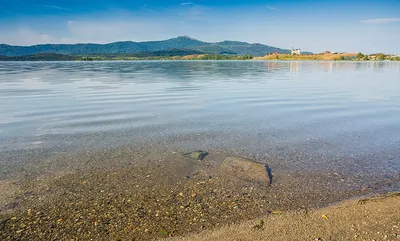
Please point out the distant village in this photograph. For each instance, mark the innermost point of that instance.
(332, 55)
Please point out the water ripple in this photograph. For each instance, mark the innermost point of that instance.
(327, 100)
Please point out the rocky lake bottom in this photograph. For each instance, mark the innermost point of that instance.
(154, 191)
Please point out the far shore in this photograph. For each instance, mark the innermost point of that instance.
(213, 57)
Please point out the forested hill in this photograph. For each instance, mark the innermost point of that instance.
(128, 47)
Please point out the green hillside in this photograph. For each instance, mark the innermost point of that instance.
(183, 43)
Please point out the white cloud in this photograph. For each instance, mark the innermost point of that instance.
(272, 8)
(187, 3)
(57, 7)
(381, 20)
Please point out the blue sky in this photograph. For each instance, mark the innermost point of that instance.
(343, 25)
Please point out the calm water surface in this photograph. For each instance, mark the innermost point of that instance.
(324, 113)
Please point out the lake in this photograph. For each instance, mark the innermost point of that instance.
(326, 108)
(346, 109)
(103, 141)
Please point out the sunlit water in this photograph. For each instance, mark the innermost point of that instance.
(303, 114)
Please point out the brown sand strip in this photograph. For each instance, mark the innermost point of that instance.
(376, 218)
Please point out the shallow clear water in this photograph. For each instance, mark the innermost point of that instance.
(335, 110)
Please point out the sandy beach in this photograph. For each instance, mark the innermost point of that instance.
(374, 218)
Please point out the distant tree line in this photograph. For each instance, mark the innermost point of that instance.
(225, 57)
(378, 56)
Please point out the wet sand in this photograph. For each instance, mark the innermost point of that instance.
(151, 193)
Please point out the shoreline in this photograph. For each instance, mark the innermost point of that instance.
(153, 193)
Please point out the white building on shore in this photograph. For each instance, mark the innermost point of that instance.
(296, 51)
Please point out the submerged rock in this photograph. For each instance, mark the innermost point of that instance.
(247, 169)
(197, 155)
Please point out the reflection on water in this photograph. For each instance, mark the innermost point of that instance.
(342, 108)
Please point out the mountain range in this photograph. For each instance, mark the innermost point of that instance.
(183, 44)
